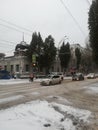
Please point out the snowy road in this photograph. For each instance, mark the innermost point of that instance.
(82, 94)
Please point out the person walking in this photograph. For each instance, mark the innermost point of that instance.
(31, 77)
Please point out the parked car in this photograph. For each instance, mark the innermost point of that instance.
(4, 74)
(78, 76)
(91, 76)
(51, 79)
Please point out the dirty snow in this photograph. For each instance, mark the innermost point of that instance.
(18, 81)
(41, 115)
(91, 89)
(13, 81)
(12, 98)
(35, 93)
(61, 99)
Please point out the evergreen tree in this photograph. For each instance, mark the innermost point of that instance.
(65, 55)
(35, 48)
(2, 55)
(78, 57)
(93, 29)
(49, 53)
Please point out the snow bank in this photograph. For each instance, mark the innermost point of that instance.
(41, 115)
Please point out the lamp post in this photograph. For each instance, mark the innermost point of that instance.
(58, 66)
(62, 40)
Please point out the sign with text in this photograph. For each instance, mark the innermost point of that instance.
(33, 58)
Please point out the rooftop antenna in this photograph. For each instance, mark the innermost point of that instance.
(23, 36)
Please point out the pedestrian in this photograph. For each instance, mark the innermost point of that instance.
(31, 77)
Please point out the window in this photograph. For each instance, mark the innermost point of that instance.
(5, 67)
(17, 68)
(12, 68)
(27, 68)
(52, 68)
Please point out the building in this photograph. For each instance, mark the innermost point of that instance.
(18, 63)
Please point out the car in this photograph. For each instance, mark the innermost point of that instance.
(61, 75)
(78, 76)
(51, 80)
(58, 73)
(91, 76)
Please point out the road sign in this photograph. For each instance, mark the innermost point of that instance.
(33, 58)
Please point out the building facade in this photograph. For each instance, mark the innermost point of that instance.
(19, 65)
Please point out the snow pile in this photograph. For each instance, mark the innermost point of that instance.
(41, 115)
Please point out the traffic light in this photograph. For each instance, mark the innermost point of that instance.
(34, 64)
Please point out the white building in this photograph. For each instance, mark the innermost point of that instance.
(18, 63)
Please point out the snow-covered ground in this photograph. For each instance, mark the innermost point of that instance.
(41, 115)
(18, 81)
(92, 89)
(13, 81)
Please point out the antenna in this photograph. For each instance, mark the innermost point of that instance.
(23, 36)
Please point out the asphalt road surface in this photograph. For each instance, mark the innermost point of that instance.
(73, 91)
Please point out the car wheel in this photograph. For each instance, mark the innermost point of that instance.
(60, 82)
(50, 83)
(62, 78)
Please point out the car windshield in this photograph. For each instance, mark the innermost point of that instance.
(48, 76)
(60, 74)
(77, 74)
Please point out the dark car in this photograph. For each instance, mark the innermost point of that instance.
(4, 74)
(78, 76)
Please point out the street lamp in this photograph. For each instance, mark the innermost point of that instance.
(57, 56)
(62, 40)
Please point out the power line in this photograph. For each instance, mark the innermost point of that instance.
(72, 17)
(6, 52)
(15, 25)
(7, 41)
(13, 29)
(88, 2)
(2, 46)
(10, 51)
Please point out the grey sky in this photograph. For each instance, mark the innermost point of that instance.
(44, 16)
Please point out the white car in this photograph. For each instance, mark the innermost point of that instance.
(51, 79)
(91, 76)
(61, 75)
(58, 73)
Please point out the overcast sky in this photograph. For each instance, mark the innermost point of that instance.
(44, 16)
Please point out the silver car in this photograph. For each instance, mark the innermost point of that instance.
(51, 79)
(91, 76)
